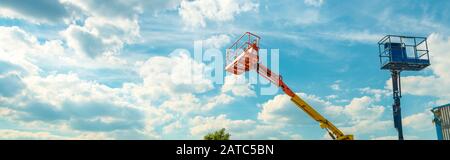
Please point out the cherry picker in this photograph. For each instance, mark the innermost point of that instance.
(242, 56)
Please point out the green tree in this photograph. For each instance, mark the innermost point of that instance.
(218, 135)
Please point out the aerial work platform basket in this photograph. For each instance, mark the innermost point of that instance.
(243, 56)
(403, 53)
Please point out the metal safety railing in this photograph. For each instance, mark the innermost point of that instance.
(415, 48)
(243, 43)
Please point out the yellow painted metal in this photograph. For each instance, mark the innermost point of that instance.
(334, 132)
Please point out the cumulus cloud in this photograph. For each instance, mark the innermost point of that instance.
(419, 121)
(360, 116)
(100, 36)
(377, 93)
(281, 109)
(178, 78)
(85, 105)
(175, 74)
(120, 8)
(172, 127)
(42, 135)
(34, 98)
(43, 11)
(25, 51)
(196, 13)
(220, 99)
(82, 106)
(217, 41)
(108, 26)
(238, 85)
(51, 11)
(84, 42)
(114, 8)
(169, 87)
(16, 39)
(368, 127)
(361, 108)
(56, 89)
(184, 103)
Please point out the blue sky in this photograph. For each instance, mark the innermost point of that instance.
(96, 70)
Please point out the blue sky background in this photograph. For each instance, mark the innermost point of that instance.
(96, 70)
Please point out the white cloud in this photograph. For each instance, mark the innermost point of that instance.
(189, 104)
(220, 99)
(43, 11)
(57, 89)
(315, 3)
(420, 121)
(100, 36)
(368, 127)
(23, 49)
(378, 93)
(85, 107)
(363, 108)
(276, 109)
(274, 131)
(93, 135)
(172, 127)
(216, 41)
(120, 8)
(361, 116)
(15, 134)
(183, 103)
(238, 85)
(281, 109)
(176, 74)
(114, 8)
(65, 99)
(43, 135)
(195, 13)
(15, 39)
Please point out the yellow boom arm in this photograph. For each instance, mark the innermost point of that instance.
(332, 130)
